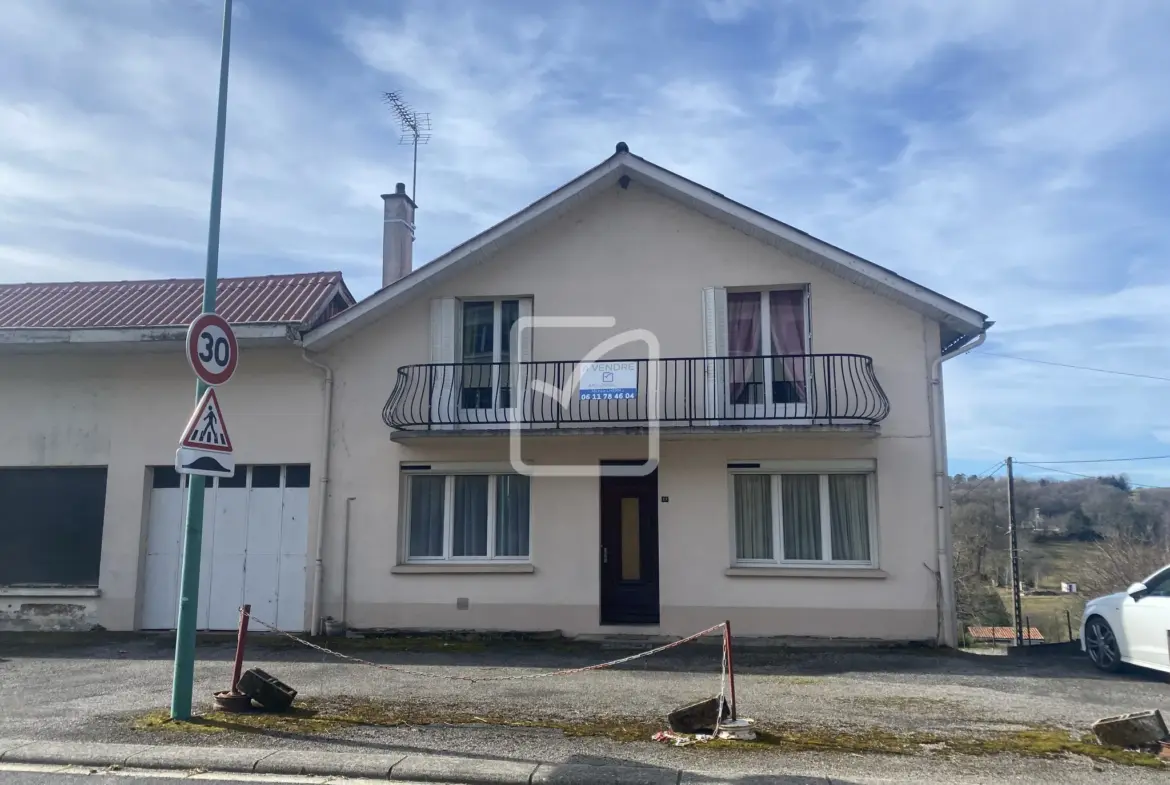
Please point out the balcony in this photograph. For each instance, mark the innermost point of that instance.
(838, 391)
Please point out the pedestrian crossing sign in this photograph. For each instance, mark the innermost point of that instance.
(206, 447)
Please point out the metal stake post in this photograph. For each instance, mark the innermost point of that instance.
(184, 674)
(241, 641)
(730, 666)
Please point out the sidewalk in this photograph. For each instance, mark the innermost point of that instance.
(456, 770)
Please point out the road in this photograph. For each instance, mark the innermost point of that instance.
(95, 692)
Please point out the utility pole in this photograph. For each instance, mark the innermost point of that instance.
(1013, 545)
(182, 682)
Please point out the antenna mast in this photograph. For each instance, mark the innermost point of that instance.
(416, 130)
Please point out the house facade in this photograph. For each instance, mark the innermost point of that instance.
(635, 406)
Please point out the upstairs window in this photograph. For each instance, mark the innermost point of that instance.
(766, 341)
(485, 353)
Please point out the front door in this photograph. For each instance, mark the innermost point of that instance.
(629, 549)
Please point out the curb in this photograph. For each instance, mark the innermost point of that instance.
(390, 766)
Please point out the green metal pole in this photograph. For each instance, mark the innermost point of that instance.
(182, 684)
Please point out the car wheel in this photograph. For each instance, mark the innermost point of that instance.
(1101, 644)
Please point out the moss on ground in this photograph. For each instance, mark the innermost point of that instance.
(316, 716)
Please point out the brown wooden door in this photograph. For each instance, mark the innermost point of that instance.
(629, 549)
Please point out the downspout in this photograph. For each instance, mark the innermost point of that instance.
(942, 501)
(322, 492)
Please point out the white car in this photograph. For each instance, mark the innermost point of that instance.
(1132, 626)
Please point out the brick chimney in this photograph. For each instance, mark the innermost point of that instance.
(397, 235)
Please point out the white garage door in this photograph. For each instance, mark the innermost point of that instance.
(255, 541)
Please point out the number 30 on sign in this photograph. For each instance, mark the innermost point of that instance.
(212, 349)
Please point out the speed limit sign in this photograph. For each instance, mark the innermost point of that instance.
(212, 349)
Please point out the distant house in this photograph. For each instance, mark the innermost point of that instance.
(1002, 634)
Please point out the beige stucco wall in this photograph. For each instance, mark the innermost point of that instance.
(126, 412)
(644, 260)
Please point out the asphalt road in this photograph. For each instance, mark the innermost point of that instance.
(91, 693)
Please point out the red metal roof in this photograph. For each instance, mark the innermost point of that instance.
(269, 299)
(1003, 634)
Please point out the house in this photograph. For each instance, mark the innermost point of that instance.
(634, 406)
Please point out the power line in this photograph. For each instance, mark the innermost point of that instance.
(1078, 474)
(1075, 367)
(1114, 460)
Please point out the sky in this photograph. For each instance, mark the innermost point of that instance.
(1010, 155)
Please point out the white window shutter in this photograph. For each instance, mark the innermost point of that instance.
(714, 346)
(444, 326)
(522, 374)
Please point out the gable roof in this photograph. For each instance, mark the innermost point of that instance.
(958, 321)
(34, 312)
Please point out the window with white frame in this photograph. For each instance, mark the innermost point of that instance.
(485, 352)
(466, 516)
(803, 518)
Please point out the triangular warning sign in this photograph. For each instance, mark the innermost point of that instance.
(206, 429)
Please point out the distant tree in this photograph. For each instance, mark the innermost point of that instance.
(1079, 527)
(1118, 561)
(1120, 482)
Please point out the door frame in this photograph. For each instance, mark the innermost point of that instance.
(610, 608)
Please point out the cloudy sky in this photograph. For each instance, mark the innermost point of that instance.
(1012, 155)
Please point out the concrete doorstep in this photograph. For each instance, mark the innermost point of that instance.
(392, 766)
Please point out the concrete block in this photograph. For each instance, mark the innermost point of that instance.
(1139, 729)
(473, 771)
(584, 774)
(336, 764)
(74, 753)
(206, 758)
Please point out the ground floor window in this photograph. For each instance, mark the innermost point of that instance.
(51, 523)
(802, 518)
(466, 516)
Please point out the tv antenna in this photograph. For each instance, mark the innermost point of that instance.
(415, 127)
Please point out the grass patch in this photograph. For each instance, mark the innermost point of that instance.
(799, 680)
(311, 717)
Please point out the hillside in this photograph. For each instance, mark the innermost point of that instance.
(1100, 534)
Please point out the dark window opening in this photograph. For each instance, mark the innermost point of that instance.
(265, 476)
(297, 476)
(51, 525)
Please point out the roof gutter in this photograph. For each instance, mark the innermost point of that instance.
(51, 337)
(948, 621)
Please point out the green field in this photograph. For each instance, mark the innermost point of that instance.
(1047, 612)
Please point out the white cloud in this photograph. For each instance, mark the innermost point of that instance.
(728, 11)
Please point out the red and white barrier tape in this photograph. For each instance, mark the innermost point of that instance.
(564, 672)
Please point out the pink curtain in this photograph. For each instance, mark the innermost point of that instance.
(743, 340)
(787, 318)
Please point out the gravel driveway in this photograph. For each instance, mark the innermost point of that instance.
(93, 692)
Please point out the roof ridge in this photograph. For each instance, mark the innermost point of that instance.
(159, 281)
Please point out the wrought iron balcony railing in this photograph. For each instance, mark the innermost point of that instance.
(814, 389)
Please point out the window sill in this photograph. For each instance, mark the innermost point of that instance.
(805, 572)
(50, 591)
(463, 568)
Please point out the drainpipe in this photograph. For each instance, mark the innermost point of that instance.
(942, 502)
(322, 492)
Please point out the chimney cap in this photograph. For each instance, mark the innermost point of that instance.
(622, 147)
(400, 193)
